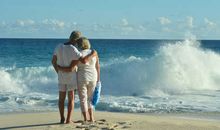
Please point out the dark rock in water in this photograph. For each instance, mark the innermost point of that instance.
(3, 99)
(134, 94)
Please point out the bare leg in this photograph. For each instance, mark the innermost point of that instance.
(70, 106)
(62, 96)
(91, 117)
(85, 116)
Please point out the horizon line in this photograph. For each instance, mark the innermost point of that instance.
(105, 38)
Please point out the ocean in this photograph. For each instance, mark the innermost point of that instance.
(138, 76)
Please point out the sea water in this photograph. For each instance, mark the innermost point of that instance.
(147, 76)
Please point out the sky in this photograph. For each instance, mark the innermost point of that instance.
(110, 19)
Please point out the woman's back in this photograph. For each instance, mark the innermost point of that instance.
(87, 72)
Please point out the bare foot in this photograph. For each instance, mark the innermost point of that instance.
(92, 121)
(69, 122)
(62, 121)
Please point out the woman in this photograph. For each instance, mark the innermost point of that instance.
(88, 74)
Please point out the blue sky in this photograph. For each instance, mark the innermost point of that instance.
(110, 18)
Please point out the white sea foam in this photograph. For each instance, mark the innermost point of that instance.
(167, 81)
(8, 84)
(176, 68)
(28, 79)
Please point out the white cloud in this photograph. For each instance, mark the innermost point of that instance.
(189, 21)
(33, 27)
(74, 23)
(164, 20)
(53, 23)
(166, 29)
(124, 22)
(30, 22)
(124, 28)
(20, 23)
(2, 24)
(23, 23)
(141, 28)
(209, 23)
(127, 29)
(98, 27)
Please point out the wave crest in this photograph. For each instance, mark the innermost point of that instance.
(176, 68)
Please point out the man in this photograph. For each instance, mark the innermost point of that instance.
(67, 55)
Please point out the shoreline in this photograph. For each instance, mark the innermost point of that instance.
(109, 120)
(213, 116)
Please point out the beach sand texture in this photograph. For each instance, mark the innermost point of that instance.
(105, 121)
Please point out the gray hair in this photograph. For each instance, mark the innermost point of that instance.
(75, 35)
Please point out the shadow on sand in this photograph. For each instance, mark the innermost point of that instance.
(26, 126)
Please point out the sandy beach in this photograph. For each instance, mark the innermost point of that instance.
(107, 121)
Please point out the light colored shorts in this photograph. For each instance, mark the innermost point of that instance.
(66, 87)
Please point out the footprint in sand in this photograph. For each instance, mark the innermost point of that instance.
(102, 124)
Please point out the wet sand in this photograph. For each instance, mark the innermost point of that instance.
(107, 121)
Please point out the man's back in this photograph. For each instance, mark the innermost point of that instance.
(65, 55)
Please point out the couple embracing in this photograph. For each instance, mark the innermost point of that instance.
(78, 68)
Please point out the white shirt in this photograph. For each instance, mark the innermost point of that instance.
(65, 55)
(87, 72)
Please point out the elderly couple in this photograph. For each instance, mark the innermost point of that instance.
(76, 69)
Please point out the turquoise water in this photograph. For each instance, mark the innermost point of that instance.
(156, 76)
